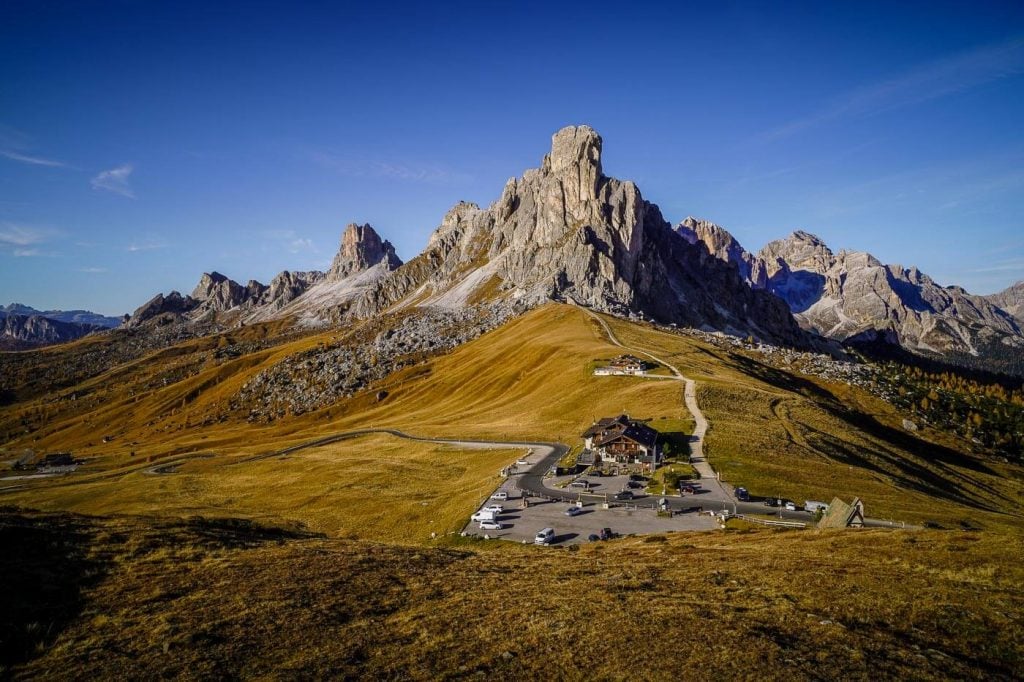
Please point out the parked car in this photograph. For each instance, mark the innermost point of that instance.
(790, 506)
(634, 484)
(490, 525)
(687, 489)
(500, 495)
(607, 534)
(544, 536)
(742, 495)
(624, 495)
(496, 508)
(484, 515)
(771, 502)
(593, 537)
(581, 483)
(573, 511)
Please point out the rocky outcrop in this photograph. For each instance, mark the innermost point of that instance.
(165, 309)
(566, 231)
(1011, 300)
(215, 292)
(361, 249)
(29, 331)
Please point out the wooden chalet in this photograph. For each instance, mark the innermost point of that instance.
(623, 442)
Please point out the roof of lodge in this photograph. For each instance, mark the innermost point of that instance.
(610, 428)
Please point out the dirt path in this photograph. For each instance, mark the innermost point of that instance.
(697, 458)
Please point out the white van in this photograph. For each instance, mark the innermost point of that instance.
(485, 515)
(544, 536)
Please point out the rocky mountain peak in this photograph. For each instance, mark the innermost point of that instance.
(575, 147)
(361, 249)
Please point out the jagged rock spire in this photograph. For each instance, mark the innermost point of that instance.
(361, 249)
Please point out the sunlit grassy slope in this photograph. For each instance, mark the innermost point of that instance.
(375, 487)
(774, 432)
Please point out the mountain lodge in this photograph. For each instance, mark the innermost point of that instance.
(620, 442)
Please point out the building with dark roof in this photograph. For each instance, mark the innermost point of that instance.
(623, 442)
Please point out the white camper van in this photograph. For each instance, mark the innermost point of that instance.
(544, 536)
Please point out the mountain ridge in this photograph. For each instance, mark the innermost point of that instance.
(853, 297)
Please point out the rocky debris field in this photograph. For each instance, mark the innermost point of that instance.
(317, 378)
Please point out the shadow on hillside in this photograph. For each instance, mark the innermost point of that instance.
(231, 533)
(907, 473)
(44, 567)
(48, 561)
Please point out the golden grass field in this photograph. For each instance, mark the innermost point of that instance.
(155, 582)
(377, 487)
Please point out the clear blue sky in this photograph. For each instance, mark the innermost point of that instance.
(142, 143)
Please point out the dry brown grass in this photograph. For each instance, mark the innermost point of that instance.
(214, 600)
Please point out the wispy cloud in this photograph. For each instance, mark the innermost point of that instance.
(93, 271)
(405, 171)
(25, 241)
(148, 244)
(32, 160)
(12, 234)
(923, 83)
(290, 241)
(115, 180)
(1002, 266)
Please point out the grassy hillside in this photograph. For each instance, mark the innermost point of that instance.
(140, 598)
(774, 432)
(375, 487)
(313, 575)
(790, 435)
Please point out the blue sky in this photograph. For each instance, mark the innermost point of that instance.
(142, 143)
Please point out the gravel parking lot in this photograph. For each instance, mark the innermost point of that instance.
(519, 524)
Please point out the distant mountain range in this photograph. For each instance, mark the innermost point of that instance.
(76, 316)
(566, 231)
(23, 327)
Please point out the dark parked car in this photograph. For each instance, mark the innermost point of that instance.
(635, 484)
(593, 538)
(742, 495)
(624, 495)
(607, 534)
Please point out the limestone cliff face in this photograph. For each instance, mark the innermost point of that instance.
(853, 296)
(1011, 300)
(361, 249)
(722, 245)
(567, 231)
